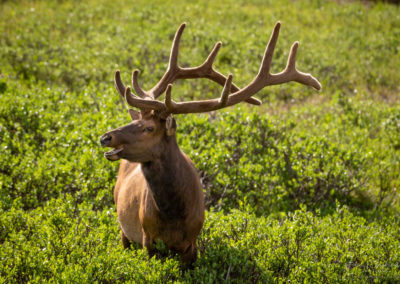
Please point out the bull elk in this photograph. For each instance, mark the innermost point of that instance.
(158, 194)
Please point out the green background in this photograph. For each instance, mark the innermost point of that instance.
(303, 188)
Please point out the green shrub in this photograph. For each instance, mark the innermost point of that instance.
(74, 243)
(243, 155)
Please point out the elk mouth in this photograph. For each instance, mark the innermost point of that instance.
(113, 154)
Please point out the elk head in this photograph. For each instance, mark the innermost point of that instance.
(142, 139)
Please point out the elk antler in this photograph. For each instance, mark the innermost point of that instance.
(264, 78)
(174, 72)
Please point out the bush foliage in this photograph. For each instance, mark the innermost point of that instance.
(75, 243)
(302, 189)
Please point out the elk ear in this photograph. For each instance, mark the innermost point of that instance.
(135, 115)
(170, 125)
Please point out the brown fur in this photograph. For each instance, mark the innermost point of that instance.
(158, 193)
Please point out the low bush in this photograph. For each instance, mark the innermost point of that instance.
(69, 242)
(244, 155)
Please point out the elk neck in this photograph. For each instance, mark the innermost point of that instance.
(165, 177)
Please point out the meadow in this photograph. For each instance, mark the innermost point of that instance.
(303, 188)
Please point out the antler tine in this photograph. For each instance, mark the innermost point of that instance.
(173, 69)
(118, 84)
(291, 63)
(300, 77)
(290, 73)
(225, 91)
(136, 87)
(144, 104)
(213, 54)
(173, 58)
(169, 103)
(269, 51)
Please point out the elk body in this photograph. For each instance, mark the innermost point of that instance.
(158, 194)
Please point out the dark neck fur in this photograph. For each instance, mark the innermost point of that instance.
(163, 177)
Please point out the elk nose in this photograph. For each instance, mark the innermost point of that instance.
(105, 140)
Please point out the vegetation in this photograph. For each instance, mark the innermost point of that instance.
(303, 188)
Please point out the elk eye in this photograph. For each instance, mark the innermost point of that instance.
(149, 129)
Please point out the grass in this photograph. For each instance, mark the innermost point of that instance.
(303, 188)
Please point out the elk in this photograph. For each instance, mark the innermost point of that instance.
(158, 194)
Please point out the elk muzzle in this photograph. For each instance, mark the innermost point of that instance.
(105, 140)
(109, 140)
